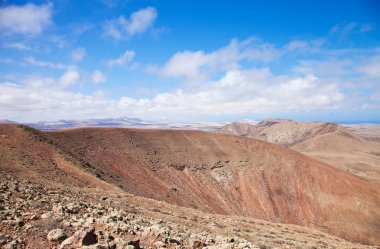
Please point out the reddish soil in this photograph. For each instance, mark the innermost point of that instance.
(211, 172)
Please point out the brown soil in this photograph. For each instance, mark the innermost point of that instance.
(210, 172)
(354, 149)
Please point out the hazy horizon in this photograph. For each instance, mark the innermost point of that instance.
(204, 120)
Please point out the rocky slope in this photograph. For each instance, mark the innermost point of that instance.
(213, 173)
(327, 142)
(34, 216)
(229, 175)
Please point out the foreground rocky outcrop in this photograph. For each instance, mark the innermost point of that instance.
(33, 216)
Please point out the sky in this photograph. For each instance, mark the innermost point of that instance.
(190, 60)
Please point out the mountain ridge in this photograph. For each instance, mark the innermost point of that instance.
(327, 142)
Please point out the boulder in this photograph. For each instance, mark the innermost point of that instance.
(135, 243)
(89, 237)
(81, 239)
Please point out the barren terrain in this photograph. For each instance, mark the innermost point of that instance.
(353, 148)
(219, 179)
(368, 131)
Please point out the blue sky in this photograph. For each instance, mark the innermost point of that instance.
(190, 60)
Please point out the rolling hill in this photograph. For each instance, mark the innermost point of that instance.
(210, 172)
(327, 142)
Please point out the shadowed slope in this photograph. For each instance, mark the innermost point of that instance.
(27, 153)
(230, 175)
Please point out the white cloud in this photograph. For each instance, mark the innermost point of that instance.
(141, 20)
(28, 19)
(111, 29)
(295, 45)
(233, 80)
(37, 82)
(32, 61)
(138, 22)
(371, 67)
(81, 28)
(253, 91)
(110, 3)
(126, 58)
(59, 41)
(98, 77)
(304, 46)
(262, 52)
(324, 68)
(185, 63)
(351, 27)
(199, 65)
(7, 61)
(70, 77)
(17, 45)
(348, 64)
(196, 65)
(236, 92)
(28, 103)
(78, 54)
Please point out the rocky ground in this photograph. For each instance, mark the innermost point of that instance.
(34, 216)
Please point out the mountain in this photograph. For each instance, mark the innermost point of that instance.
(6, 121)
(280, 131)
(125, 122)
(63, 124)
(327, 142)
(209, 172)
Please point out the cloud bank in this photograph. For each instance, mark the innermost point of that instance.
(29, 19)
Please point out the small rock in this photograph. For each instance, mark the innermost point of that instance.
(46, 215)
(159, 244)
(195, 244)
(29, 226)
(90, 220)
(57, 235)
(120, 243)
(72, 208)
